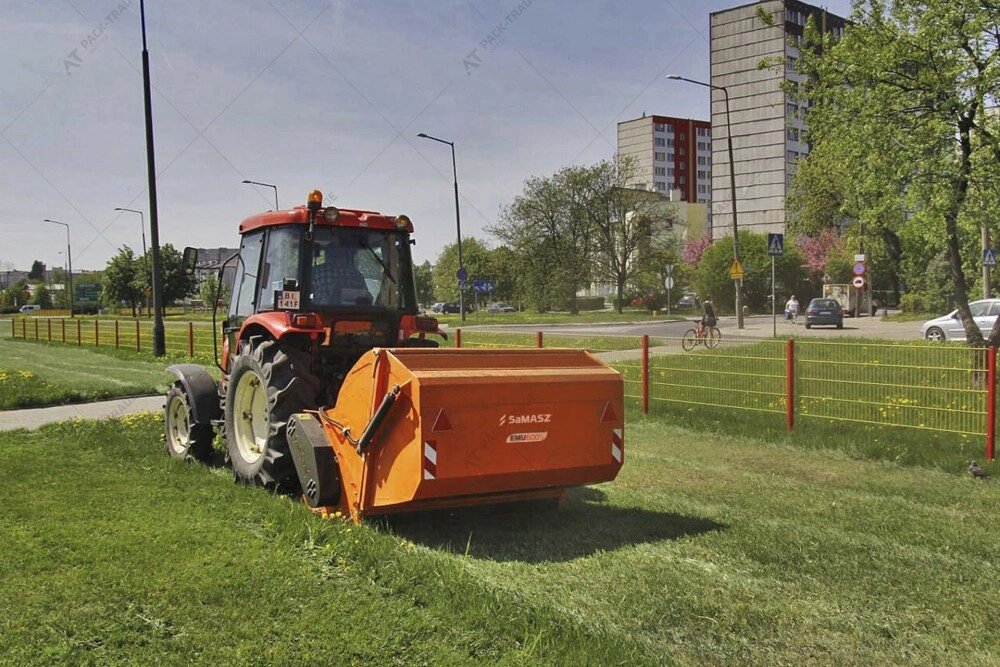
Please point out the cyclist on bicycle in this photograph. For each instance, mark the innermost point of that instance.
(708, 320)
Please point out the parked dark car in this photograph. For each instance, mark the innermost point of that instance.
(687, 302)
(452, 307)
(825, 311)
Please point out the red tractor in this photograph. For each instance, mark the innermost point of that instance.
(328, 385)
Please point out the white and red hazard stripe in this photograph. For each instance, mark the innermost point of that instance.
(430, 460)
(616, 444)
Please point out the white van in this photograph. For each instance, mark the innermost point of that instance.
(29, 309)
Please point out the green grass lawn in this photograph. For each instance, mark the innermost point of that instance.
(706, 550)
(34, 374)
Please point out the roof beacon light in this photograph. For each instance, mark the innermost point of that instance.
(402, 222)
(315, 199)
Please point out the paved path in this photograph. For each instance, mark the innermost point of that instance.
(35, 417)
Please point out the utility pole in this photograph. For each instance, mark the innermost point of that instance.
(987, 287)
(159, 340)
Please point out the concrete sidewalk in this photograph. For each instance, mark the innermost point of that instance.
(35, 417)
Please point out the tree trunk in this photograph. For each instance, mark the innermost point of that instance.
(972, 334)
(621, 295)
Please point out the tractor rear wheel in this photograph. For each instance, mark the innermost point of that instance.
(185, 439)
(269, 383)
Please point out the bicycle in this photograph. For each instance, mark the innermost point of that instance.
(710, 337)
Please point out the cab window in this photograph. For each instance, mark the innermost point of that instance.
(245, 284)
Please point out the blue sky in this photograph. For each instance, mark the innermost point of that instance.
(310, 94)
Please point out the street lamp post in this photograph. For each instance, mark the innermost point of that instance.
(145, 259)
(159, 339)
(69, 260)
(458, 218)
(732, 186)
(266, 185)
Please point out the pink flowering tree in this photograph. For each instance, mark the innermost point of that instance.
(694, 249)
(816, 250)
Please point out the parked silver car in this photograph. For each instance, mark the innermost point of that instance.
(949, 327)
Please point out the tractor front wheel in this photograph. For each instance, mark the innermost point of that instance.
(269, 383)
(185, 439)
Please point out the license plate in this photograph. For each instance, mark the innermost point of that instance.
(288, 300)
(826, 312)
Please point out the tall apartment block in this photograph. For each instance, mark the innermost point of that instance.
(669, 154)
(767, 126)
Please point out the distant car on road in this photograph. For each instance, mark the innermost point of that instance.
(500, 307)
(949, 327)
(29, 308)
(687, 302)
(825, 311)
(451, 307)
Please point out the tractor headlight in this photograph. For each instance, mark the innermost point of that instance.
(403, 222)
(331, 214)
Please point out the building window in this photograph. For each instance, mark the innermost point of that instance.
(670, 171)
(682, 180)
(670, 142)
(793, 134)
(702, 175)
(658, 127)
(683, 151)
(670, 157)
(683, 166)
(660, 185)
(702, 146)
(702, 189)
(792, 156)
(710, 161)
(660, 171)
(701, 160)
(660, 141)
(658, 157)
(702, 131)
(682, 137)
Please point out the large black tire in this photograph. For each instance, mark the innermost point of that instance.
(268, 383)
(184, 438)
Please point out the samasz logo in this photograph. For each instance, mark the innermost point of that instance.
(541, 418)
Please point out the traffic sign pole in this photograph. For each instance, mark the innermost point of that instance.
(774, 309)
(775, 248)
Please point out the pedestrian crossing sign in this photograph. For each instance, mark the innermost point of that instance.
(775, 244)
(989, 258)
(736, 270)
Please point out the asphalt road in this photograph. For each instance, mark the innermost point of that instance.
(756, 326)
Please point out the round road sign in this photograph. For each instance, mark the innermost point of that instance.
(859, 268)
(858, 282)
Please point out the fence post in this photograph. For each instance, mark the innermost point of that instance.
(97, 334)
(458, 338)
(191, 339)
(539, 340)
(24, 329)
(790, 384)
(79, 332)
(991, 402)
(137, 349)
(117, 335)
(645, 375)
(50, 329)
(36, 330)
(13, 328)
(64, 330)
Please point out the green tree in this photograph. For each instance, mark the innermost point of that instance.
(628, 225)
(37, 271)
(42, 297)
(177, 283)
(122, 280)
(475, 256)
(546, 225)
(423, 277)
(15, 295)
(900, 103)
(711, 275)
(209, 292)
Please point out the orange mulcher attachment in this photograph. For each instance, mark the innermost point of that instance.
(424, 428)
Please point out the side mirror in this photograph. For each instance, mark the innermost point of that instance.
(190, 261)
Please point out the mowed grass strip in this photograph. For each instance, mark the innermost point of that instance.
(706, 550)
(36, 374)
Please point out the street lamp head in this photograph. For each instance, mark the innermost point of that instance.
(674, 77)
(423, 136)
(246, 181)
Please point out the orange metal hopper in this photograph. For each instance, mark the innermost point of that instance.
(473, 426)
